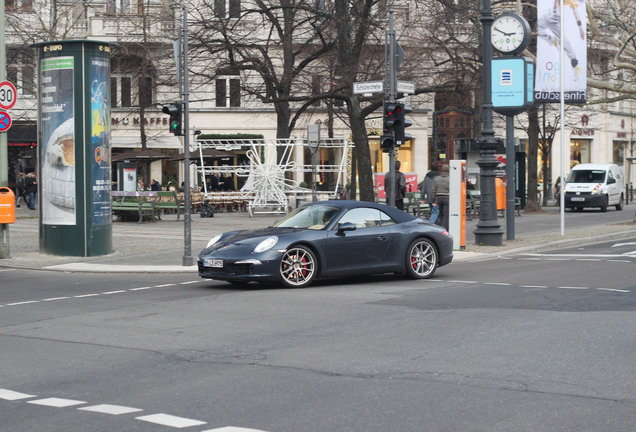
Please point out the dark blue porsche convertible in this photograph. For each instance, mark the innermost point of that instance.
(329, 239)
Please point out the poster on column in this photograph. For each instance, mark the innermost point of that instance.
(100, 140)
(547, 86)
(57, 153)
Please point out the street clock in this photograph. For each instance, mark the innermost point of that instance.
(510, 33)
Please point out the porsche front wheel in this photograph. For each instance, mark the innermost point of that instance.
(298, 267)
(421, 259)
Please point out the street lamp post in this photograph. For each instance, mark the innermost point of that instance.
(488, 231)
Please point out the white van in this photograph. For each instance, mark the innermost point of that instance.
(594, 185)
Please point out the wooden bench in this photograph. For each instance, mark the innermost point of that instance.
(142, 203)
(169, 200)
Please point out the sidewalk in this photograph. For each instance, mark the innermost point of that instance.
(158, 247)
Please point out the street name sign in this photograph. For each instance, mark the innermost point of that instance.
(368, 87)
(405, 87)
(8, 95)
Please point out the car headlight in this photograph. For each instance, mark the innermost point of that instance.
(213, 240)
(266, 244)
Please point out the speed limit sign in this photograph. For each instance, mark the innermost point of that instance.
(8, 95)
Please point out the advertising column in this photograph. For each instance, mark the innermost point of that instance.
(74, 150)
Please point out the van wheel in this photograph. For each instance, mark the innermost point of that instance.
(604, 206)
(619, 206)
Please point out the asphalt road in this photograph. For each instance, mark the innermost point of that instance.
(542, 341)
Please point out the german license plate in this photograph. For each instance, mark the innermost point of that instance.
(578, 199)
(213, 263)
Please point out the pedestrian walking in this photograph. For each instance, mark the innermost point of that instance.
(400, 185)
(440, 194)
(20, 189)
(31, 186)
(427, 192)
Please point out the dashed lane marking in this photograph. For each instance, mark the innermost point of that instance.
(110, 409)
(98, 294)
(170, 420)
(573, 287)
(533, 286)
(612, 289)
(13, 395)
(56, 402)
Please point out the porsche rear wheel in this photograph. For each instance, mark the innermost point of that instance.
(298, 267)
(422, 259)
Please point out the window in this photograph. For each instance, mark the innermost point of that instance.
(316, 88)
(366, 218)
(21, 73)
(227, 8)
(121, 6)
(231, 98)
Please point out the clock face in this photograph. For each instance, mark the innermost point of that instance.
(509, 32)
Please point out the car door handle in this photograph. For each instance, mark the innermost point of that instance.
(383, 237)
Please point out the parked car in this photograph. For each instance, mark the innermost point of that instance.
(329, 239)
(594, 185)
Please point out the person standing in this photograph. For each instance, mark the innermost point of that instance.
(440, 194)
(155, 185)
(400, 185)
(427, 191)
(31, 186)
(20, 189)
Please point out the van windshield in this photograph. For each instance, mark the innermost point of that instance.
(586, 176)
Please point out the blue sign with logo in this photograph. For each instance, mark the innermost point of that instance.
(512, 79)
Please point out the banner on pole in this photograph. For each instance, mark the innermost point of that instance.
(549, 45)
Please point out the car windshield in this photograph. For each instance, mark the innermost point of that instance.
(587, 176)
(311, 217)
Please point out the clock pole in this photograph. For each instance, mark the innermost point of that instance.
(488, 231)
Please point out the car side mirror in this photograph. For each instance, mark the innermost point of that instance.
(611, 181)
(346, 226)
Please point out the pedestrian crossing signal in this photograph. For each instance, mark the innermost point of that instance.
(175, 112)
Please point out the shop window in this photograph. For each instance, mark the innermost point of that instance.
(619, 152)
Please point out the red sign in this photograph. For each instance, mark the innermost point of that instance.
(5, 121)
(411, 184)
(8, 95)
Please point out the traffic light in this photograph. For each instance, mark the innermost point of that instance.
(387, 142)
(389, 122)
(401, 124)
(175, 112)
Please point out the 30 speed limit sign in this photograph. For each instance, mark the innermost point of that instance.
(8, 95)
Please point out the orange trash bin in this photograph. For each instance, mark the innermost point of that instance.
(7, 206)
(500, 189)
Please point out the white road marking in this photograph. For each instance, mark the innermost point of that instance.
(612, 289)
(114, 292)
(164, 285)
(23, 303)
(86, 295)
(190, 282)
(588, 259)
(624, 244)
(110, 409)
(13, 395)
(141, 288)
(170, 420)
(533, 286)
(497, 283)
(56, 402)
(462, 281)
(600, 256)
(573, 288)
(55, 299)
(621, 261)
